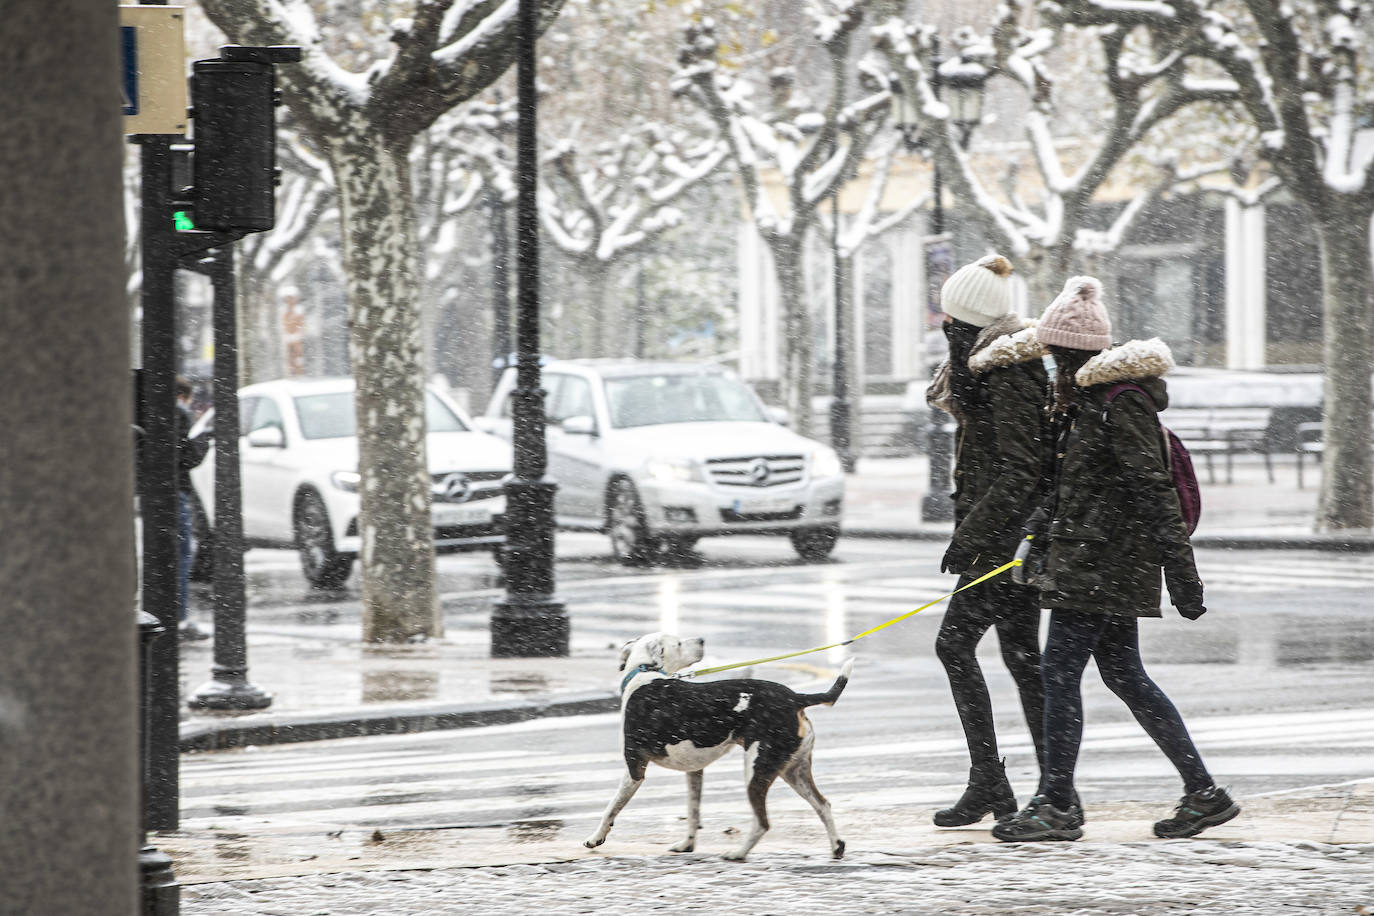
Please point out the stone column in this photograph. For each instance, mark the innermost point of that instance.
(1245, 286)
(68, 708)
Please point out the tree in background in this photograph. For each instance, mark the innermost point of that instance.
(365, 121)
(1146, 83)
(1302, 72)
(810, 149)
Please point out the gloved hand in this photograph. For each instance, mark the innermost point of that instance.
(956, 559)
(1185, 591)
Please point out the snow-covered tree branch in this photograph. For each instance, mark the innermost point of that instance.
(365, 121)
(1298, 69)
(789, 156)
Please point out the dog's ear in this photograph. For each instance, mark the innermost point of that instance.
(625, 653)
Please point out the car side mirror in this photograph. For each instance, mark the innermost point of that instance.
(581, 425)
(267, 437)
(780, 416)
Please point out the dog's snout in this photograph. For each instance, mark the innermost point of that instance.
(696, 648)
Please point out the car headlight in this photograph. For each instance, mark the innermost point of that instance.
(346, 480)
(825, 463)
(667, 470)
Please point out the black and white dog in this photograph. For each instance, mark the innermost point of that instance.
(685, 726)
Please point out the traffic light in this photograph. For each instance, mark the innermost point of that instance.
(234, 173)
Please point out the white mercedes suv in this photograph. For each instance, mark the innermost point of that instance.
(658, 455)
(298, 458)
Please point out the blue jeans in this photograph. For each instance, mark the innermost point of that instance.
(186, 543)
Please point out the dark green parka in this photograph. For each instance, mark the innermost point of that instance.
(1000, 443)
(1117, 521)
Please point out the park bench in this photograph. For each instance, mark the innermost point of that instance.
(1309, 442)
(1227, 431)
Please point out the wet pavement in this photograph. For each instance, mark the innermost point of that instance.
(1275, 681)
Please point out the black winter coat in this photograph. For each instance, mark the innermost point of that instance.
(999, 446)
(1117, 520)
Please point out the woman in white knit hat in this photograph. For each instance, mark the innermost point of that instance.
(995, 386)
(1116, 521)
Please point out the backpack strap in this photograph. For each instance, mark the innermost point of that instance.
(1121, 388)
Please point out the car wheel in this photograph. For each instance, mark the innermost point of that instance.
(680, 551)
(323, 568)
(815, 544)
(631, 542)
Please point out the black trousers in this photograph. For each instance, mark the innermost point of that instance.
(1015, 611)
(1074, 637)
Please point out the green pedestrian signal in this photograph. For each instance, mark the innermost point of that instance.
(181, 219)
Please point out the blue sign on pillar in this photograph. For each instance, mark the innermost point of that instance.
(128, 83)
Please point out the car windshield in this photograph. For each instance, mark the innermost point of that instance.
(647, 400)
(330, 416)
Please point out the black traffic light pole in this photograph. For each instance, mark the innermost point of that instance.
(228, 687)
(530, 621)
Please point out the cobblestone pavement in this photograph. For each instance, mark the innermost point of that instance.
(1080, 879)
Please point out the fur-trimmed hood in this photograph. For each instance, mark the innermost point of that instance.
(1008, 341)
(1143, 361)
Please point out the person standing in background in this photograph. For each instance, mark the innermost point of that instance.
(190, 453)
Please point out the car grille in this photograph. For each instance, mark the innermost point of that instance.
(467, 486)
(757, 471)
(730, 515)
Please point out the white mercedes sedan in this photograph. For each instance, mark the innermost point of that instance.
(298, 454)
(658, 455)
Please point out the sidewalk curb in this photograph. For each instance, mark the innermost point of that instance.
(241, 731)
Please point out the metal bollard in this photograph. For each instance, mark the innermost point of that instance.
(161, 893)
(937, 506)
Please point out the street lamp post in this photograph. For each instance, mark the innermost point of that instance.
(840, 430)
(965, 80)
(530, 621)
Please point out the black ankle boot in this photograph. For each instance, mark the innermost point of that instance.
(988, 792)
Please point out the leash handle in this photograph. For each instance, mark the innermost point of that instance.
(869, 632)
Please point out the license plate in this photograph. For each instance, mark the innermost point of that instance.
(757, 506)
(461, 515)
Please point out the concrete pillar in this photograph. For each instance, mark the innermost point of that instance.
(68, 707)
(908, 304)
(759, 322)
(1245, 286)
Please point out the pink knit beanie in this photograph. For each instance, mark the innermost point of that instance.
(1076, 319)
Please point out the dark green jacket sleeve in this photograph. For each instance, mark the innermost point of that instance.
(996, 519)
(1137, 441)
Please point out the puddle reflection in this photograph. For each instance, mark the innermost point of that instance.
(534, 831)
(393, 686)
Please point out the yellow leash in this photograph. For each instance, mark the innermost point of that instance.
(834, 645)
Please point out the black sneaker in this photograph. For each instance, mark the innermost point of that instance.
(1196, 812)
(1039, 820)
(1075, 812)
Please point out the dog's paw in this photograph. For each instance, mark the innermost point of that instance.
(593, 841)
(838, 851)
(684, 846)
(736, 856)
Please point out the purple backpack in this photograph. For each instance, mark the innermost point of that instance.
(1179, 462)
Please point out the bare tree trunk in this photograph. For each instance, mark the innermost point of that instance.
(387, 353)
(1345, 500)
(798, 349)
(599, 320)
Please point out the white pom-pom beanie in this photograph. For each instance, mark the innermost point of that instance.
(1077, 319)
(979, 293)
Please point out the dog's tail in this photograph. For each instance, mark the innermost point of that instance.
(830, 696)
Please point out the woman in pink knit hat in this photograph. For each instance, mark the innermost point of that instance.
(1116, 522)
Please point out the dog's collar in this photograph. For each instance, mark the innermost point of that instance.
(638, 669)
